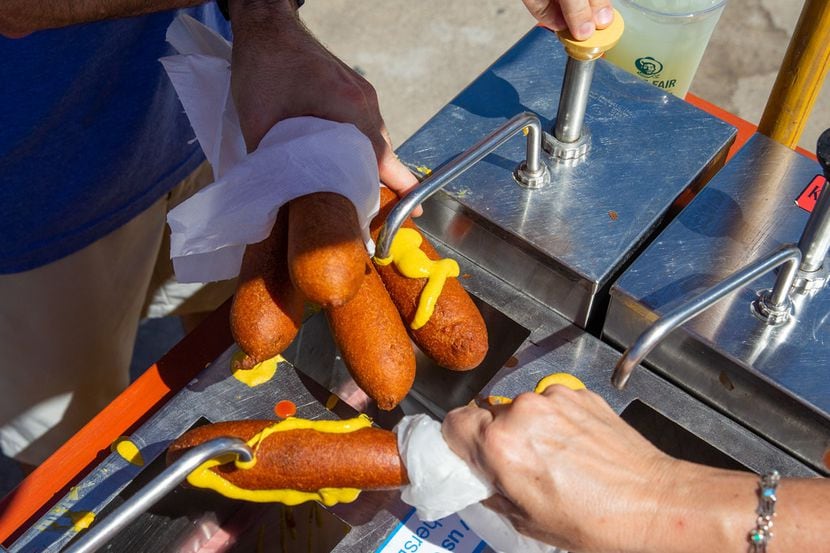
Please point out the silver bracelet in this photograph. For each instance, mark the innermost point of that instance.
(761, 535)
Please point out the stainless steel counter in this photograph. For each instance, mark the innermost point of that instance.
(566, 242)
(774, 379)
(542, 342)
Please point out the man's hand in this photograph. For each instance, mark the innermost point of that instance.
(581, 17)
(279, 71)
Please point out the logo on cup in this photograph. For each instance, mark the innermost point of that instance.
(648, 67)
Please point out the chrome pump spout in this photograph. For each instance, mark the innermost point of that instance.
(161, 485)
(570, 139)
(788, 255)
(532, 173)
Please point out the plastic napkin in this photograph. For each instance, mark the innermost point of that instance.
(441, 483)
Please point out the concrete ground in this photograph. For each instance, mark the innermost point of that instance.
(420, 54)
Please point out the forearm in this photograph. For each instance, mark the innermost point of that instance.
(262, 13)
(714, 510)
(265, 25)
(21, 17)
(703, 509)
(279, 70)
(273, 55)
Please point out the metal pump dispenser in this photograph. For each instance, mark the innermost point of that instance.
(751, 343)
(564, 242)
(570, 139)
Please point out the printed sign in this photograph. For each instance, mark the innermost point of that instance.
(448, 534)
(807, 199)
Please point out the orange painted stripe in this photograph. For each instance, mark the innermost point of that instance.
(745, 128)
(69, 464)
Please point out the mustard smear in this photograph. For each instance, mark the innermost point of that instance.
(331, 402)
(412, 262)
(128, 450)
(203, 477)
(565, 379)
(259, 373)
(81, 520)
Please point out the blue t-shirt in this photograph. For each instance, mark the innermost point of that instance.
(91, 133)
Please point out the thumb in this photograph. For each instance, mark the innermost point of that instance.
(396, 176)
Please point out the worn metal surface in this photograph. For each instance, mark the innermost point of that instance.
(531, 253)
(775, 380)
(215, 395)
(655, 334)
(162, 485)
(564, 243)
(529, 341)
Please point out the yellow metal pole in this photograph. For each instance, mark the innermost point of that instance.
(800, 77)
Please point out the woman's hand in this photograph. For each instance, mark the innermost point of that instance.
(279, 70)
(569, 471)
(581, 17)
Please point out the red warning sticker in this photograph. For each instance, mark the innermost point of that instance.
(807, 199)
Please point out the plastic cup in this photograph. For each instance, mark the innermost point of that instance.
(664, 40)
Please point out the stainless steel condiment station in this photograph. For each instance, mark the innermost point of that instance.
(542, 226)
(768, 368)
(565, 242)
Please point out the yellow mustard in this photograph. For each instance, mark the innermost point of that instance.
(259, 373)
(412, 262)
(128, 450)
(203, 477)
(81, 520)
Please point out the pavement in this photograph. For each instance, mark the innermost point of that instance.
(155, 338)
(419, 55)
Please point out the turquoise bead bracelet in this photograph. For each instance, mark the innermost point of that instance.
(761, 535)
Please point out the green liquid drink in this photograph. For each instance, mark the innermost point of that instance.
(664, 40)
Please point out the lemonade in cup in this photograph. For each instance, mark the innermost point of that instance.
(664, 40)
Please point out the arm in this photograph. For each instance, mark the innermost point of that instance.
(279, 71)
(572, 473)
(582, 17)
(19, 18)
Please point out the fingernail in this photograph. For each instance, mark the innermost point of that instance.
(604, 16)
(585, 30)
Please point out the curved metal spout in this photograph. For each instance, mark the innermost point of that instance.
(662, 327)
(532, 169)
(161, 485)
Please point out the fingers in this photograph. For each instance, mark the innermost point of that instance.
(368, 119)
(462, 430)
(580, 17)
(584, 398)
(500, 504)
(546, 12)
(395, 175)
(603, 13)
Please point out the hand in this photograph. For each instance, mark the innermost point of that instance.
(569, 471)
(279, 71)
(581, 17)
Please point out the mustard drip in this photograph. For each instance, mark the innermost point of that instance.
(412, 262)
(81, 520)
(203, 477)
(259, 373)
(128, 450)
